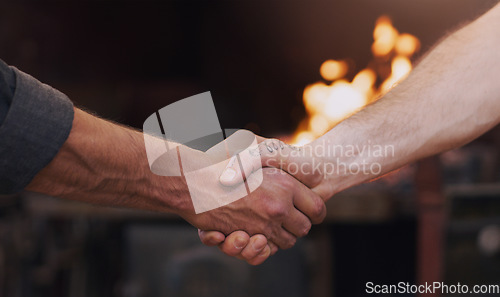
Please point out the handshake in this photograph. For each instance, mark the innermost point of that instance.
(261, 193)
(281, 193)
(281, 210)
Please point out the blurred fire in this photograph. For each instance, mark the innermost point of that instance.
(328, 103)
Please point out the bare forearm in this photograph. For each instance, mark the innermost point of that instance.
(104, 163)
(450, 98)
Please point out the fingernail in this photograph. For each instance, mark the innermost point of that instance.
(231, 161)
(213, 240)
(228, 174)
(259, 245)
(266, 254)
(239, 243)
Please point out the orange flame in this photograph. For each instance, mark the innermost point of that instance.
(329, 103)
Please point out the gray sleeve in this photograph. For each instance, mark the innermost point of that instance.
(7, 87)
(37, 124)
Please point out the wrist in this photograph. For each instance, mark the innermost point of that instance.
(343, 159)
(163, 182)
(167, 194)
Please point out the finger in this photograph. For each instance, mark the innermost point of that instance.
(256, 245)
(246, 162)
(235, 243)
(300, 162)
(260, 258)
(284, 239)
(238, 143)
(297, 161)
(211, 238)
(231, 175)
(324, 191)
(309, 203)
(273, 246)
(297, 224)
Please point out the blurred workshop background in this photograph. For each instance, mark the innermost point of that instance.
(286, 68)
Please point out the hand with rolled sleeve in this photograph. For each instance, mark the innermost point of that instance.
(49, 146)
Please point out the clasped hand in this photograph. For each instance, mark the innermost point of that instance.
(282, 209)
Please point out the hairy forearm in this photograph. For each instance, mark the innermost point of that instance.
(105, 163)
(450, 98)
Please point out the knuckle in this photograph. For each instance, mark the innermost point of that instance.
(272, 147)
(268, 230)
(226, 250)
(247, 255)
(306, 229)
(318, 211)
(289, 243)
(276, 210)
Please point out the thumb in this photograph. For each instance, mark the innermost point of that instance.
(296, 161)
(211, 238)
(240, 166)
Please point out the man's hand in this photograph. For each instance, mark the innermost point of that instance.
(273, 203)
(297, 161)
(255, 250)
(444, 103)
(281, 208)
(300, 162)
(106, 164)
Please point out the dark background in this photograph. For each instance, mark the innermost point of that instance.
(126, 59)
